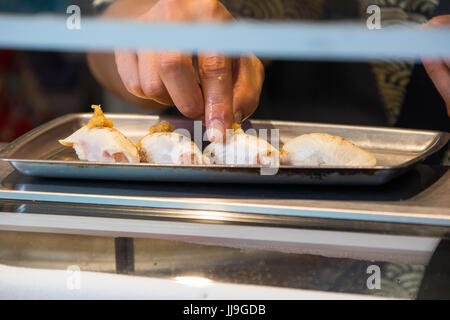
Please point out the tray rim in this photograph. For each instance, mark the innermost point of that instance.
(440, 140)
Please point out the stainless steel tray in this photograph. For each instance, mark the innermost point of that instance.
(38, 153)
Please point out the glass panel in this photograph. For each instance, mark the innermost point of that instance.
(181, 260)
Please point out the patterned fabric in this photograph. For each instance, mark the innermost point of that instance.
(393, 77)
(100, 5)
(275, 9)
(401, 281)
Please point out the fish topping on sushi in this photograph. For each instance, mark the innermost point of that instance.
(98, 119)
(242, 149)
(163, 145)
(99, 141)
(322, 150)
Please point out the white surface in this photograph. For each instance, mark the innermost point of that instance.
(26, 283)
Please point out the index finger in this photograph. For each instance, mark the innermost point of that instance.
(215, 73)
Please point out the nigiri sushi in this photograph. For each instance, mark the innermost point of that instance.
(162, 145)
(322, 149)
(242, 149)
(99, 141)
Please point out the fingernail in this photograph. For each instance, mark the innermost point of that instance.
(215, 131)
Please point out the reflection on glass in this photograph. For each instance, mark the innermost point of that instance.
(193, 281)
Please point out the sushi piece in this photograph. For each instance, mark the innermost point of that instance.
(322, 149)
(242, 149)
(99, 141)
(162, 145)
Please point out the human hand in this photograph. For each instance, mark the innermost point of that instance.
(212, 87)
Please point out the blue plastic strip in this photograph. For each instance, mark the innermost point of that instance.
(318, 41)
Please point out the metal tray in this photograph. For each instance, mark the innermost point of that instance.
(38, 153)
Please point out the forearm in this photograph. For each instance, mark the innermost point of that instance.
(102, 64)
